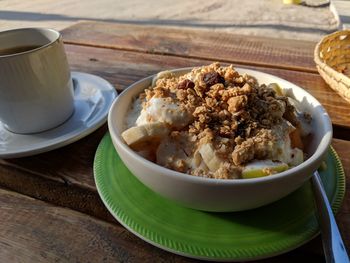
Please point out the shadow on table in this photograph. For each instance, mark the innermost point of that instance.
(33, 16)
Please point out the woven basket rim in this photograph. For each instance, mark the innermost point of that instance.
(323, 65)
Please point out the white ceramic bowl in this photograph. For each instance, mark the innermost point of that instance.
(215, 194)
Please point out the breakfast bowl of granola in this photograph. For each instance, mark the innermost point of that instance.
(219, 138)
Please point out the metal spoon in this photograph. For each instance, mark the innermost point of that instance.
(333, 245)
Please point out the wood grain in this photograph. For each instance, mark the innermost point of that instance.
(202, 44)
(29, 176)
(35, 231)
(65, 181)
(123, 68)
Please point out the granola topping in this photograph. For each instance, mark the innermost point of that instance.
(239, 118)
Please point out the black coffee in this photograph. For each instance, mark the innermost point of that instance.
(15, 50)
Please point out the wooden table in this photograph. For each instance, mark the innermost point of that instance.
(49, 208)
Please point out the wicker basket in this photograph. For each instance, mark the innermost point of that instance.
(332, 58)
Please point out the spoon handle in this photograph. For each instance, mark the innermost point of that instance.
(333, 245)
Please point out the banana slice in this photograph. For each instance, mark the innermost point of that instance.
(161, 75)
(297, 157)
(209, 156)
(197, 162)
(276, 88)
(139, 134)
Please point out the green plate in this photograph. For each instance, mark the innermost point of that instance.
(254, 234)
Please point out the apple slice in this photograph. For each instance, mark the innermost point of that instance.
(260, 168)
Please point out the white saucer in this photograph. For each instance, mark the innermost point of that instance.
(93, 97)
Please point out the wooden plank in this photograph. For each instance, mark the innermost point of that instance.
(199, 43)
(35, 231)
(122, 68)
(65, 181)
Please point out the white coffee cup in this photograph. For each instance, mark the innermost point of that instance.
(36, 90)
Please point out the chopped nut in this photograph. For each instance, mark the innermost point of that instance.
(181, 166)
(231, 74)
(200, 90)
(214, 90)
(211, 102)
(199, 110)
(246, 89)
(181, 94)
(237, 103)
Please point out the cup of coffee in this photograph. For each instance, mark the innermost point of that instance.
(36, 89)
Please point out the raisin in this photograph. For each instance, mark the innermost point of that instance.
(213, 78)
(241, 129)
(186, 84)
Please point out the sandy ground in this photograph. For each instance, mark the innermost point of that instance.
(253, 17)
